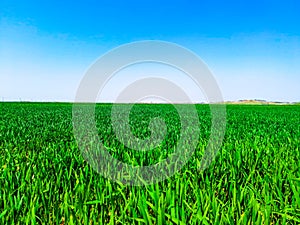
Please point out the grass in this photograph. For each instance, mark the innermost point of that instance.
(255, 178)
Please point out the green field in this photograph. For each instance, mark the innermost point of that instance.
(255, 178)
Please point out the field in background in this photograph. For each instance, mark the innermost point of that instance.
(255, 178)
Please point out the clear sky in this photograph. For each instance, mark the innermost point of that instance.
(252, 47)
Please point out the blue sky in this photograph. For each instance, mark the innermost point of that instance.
(252, 47)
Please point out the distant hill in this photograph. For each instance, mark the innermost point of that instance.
(258, 102)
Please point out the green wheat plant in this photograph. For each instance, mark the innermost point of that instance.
(254, 179)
